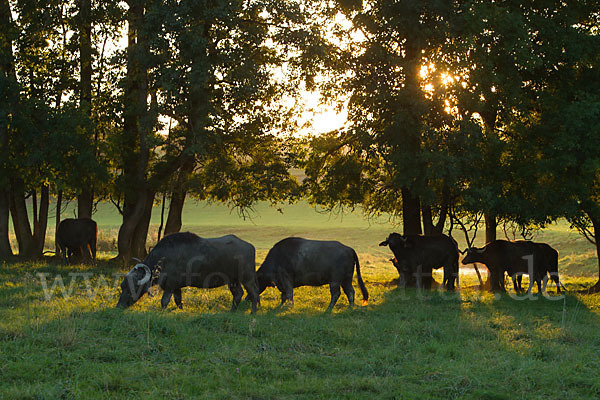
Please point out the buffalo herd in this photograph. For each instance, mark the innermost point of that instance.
(184, 259)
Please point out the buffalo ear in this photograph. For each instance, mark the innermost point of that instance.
(384, 243)
(159, 265)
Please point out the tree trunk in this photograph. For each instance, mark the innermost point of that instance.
(85, 199)
(5, 249)
(411, 213)
(140, 235)
(162, 218)
(490, 227)
(39, 231)
(174, 221)
(85, 202)
(135, 127)
(596, 224)
(7, 71)
(132, 214)
(58, 210)
(496, 278)
(18, 211)
(427, 215)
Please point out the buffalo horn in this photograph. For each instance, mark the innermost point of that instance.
(147, 275)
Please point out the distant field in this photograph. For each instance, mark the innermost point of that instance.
(68, 342)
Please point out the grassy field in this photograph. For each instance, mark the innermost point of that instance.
(70, 343)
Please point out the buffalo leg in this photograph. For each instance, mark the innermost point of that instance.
(419, 276)
(287, 293)
(177, 298)
(502, 280)
(237, 292)
(450, 276)
(94, 250)
(252, 289)
(515, 278)
(334, 287)
(531, 282)
(166, 298)
(427, 278)
(539, 285)
(87, 252)
(63, 250)
(446, 281)
(544, 283)
(456, 274)
(554, 277)
(349, 290)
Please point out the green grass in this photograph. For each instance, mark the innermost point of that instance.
(404, 344)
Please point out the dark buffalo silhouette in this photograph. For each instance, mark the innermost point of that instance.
(295, 262)
(417, 255)
(77, 237)
(185, 259)
(517, 258)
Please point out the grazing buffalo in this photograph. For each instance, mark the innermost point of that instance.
(295, 262)
(517, 258)
(417, 255)
(185, 259)
(77, 236)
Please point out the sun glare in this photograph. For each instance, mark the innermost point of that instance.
(320, 118)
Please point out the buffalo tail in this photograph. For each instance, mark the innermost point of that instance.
(361, 284)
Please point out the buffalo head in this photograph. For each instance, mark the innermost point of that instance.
(135, 284)
(473, 255)
(265, 277)
(395, 240)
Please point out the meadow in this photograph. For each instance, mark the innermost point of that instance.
(69, 342)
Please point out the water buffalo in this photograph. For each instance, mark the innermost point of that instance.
(185, 259)
(77, 236)
(417, 255)
(517, 258)
(295, 262)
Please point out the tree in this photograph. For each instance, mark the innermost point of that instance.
(46, 150)
(387, 159)
(564, 130)
(212, 68)
(85, 198)
(7, 87)
(230, 106)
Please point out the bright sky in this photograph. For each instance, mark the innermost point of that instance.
(323, 118)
